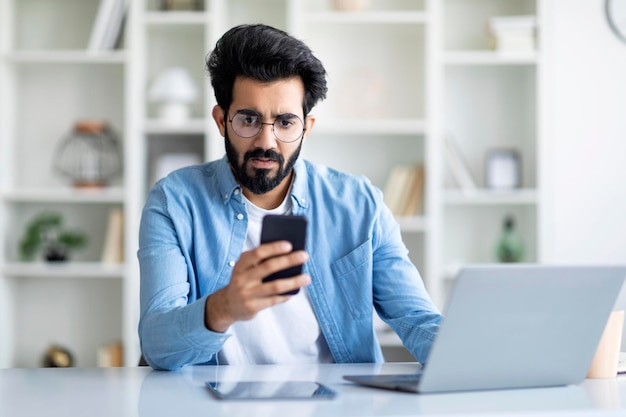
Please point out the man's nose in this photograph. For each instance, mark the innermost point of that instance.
(266, 138)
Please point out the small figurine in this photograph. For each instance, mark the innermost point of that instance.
(57, 357)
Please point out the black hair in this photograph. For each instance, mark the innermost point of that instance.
(266, 54)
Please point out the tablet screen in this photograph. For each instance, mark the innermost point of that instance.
(269, 390)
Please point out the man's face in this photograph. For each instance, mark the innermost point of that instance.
(262, 162)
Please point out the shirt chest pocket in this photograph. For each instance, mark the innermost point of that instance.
(353, 273)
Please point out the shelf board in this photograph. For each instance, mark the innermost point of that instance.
(79, 56)
(412, 223)
(525, 196)
(105, 195)
(64, 270)
(373, 127)
(192, 126)
(376, 17)
(176, 17)
(490, 58)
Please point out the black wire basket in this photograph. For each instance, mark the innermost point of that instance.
(90, 155)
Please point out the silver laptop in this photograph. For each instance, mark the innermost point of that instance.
(515, 326)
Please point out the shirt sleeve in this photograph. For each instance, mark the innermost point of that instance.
(400, 296)
(172, 332)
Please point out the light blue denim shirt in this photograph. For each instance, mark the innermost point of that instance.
(193, 229)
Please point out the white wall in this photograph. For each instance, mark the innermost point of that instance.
(585, 135)
(585, 138)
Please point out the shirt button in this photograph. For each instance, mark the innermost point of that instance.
(225, 196)
(231, 263)
(240, 216)
(236, 192)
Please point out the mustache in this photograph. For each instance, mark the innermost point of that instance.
(266, 154)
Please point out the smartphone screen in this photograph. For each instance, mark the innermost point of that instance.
(270, 390)
(286, 227)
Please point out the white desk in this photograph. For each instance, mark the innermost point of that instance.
(120, 392)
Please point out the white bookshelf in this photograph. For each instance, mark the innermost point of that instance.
(48, 80)
(490, 99)
(428, 57)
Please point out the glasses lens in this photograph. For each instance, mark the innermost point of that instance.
(288, 127)
(246, 125)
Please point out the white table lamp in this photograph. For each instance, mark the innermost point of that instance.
(175, 90)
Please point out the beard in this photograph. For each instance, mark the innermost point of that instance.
(259, 181)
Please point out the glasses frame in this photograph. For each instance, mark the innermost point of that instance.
(261, 124)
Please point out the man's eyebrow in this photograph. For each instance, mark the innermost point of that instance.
(248, 111)
(276, 115)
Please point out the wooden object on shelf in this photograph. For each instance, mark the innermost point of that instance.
(57, 357)
(110, 355)
(113, 250)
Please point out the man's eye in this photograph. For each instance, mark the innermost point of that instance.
(285, 123)
(249, 119)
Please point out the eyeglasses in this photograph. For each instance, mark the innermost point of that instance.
(287, 127)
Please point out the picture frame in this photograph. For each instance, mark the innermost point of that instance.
(503, 169)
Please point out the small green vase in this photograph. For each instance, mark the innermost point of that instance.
(510, 246)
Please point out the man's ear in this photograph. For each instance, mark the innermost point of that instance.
(309, 122)
(219, 117)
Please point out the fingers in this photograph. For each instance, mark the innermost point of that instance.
(285, 285)
(256, 256)
(232, 303)
(278, 263)
(247, 294)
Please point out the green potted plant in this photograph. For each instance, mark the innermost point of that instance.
(45, 234)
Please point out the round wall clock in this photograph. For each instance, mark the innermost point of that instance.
(616, 15)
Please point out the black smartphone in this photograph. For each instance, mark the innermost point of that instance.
(270, 390)
(285, 227)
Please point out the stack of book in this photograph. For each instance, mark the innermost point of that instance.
(512, 33)
(107, 26)
(404, 189)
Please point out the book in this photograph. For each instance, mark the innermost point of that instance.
(393, 192)
(113, 249)
(415, 191)
(457, 166)
(114, 28)
(107, 25)
(512, 33)
(403, 189)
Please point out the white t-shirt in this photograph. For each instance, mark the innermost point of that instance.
(285, 333)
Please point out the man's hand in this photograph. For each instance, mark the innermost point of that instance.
(247, 294)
